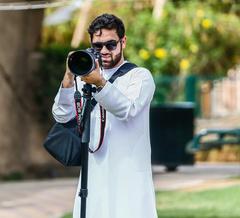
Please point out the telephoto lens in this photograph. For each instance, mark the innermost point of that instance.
(82, 62)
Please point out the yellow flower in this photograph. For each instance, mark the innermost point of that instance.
(160, 53)
(200, 13)
(184, 64)
(144, 54)
(206, 23)
(194, 48)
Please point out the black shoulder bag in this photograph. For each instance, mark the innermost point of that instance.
(63, 141)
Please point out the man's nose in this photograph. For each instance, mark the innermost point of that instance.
(104, 49)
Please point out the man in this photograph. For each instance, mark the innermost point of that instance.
(120, 178)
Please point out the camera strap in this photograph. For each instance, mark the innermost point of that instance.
(126, 67)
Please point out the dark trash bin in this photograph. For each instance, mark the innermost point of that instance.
(171, 128)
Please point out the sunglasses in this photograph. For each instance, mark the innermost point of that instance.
(110, 45)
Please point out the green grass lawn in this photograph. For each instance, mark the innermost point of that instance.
(214, 203)
(67, 216)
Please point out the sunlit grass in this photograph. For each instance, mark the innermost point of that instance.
(67, 216)
(213, 203)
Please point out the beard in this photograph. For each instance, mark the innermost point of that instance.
(113, 61)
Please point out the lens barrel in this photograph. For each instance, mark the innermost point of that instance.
(81, 62)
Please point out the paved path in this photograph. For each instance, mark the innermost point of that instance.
(192, 176)
(37, 199)
(53, 198)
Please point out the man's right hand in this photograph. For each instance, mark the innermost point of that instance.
(68, 79)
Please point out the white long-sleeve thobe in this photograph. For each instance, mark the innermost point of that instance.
(119, 175)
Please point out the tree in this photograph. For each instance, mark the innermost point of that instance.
(19, 132)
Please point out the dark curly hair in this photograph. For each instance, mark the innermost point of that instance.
(107, 21)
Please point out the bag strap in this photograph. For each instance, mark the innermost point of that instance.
(126, 67)
(122, 71)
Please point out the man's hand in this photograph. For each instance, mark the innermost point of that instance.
(68, 79)
(94, 77)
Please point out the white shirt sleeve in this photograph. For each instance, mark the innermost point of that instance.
(128, 103)
(63, 108)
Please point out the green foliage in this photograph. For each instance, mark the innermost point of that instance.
(168, 89)
(190, 38)
(61, 33)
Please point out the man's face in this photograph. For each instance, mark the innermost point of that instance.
(110, 46)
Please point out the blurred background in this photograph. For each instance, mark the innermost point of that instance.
(191, 47)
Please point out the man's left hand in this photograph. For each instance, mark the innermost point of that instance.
(94, 77)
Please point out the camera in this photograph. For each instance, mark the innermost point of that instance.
(82, 62)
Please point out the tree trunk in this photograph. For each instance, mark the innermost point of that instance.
(158, 8)
(19, 132)
(81, 24)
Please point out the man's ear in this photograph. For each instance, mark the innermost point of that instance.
(124, 41)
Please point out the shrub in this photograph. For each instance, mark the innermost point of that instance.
(190, 38)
